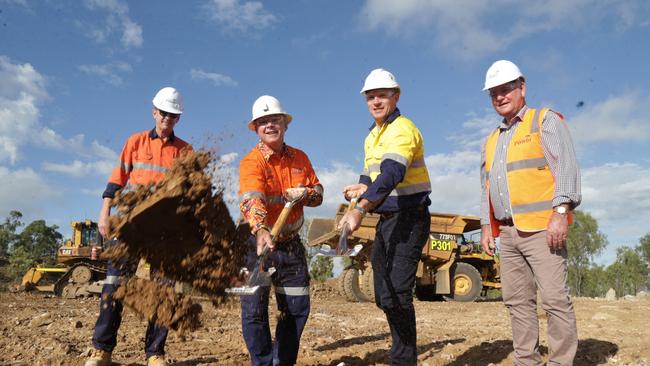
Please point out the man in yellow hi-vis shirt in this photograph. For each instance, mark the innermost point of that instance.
(395, 184)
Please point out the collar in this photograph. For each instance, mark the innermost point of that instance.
(391, 117)
(154, 135)
(518, 118)
(267, 152)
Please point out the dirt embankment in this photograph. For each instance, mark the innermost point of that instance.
(35, 330)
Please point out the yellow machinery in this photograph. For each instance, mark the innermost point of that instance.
(79, 270)
(452, 266)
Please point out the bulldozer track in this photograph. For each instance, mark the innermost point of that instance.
(62, 283)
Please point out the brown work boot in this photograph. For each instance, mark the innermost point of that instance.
(99, 358)
(156, 360)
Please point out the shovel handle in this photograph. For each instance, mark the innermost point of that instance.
(353, 203)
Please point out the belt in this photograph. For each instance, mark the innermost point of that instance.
(507, 222)
(388, 215)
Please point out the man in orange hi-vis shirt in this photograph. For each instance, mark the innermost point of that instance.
(145, 159)
(265, 175)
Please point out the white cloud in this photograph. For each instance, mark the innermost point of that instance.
(239, 15)
(27, 191)
(109, 73)
(618, 119)
(81, 169)
(333, 178)
(455, 182)
(217, 79)
(21, 91)
(117, 20)
(469, 29)
(618, 196)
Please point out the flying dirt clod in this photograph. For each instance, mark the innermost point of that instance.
(183, 229)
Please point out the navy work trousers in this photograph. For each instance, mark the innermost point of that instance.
(291, 283)
(110, 317)
(396, 251)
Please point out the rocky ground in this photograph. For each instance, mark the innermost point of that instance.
(40, 330)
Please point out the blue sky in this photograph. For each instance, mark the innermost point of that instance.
(77, 78)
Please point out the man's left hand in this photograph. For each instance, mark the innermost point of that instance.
(557, 230)
(352, 218)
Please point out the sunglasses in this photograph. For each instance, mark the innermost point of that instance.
(504, 89)
(164, 114)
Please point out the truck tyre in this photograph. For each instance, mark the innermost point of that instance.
(351, 285)
(368, 284)
(466, 285)
(426, 293)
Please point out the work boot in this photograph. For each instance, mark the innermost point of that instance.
(99, 358)
(156, 360)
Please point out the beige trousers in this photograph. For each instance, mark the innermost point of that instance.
(528, 265)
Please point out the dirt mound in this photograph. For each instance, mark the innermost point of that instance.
(183, 229)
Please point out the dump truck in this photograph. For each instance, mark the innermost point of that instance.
(452, 267)
(79, 271)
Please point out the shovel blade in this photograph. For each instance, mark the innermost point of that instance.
(326, 250)
(242, 291)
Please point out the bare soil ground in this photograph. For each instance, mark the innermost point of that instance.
(40, 330)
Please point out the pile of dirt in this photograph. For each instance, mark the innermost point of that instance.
(183, 229)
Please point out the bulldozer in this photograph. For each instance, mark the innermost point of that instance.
(452, 266)
(78, 270)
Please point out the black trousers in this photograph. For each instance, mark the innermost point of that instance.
(396, 251)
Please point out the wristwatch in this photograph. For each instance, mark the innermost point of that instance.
(361, 209)
(562, 210)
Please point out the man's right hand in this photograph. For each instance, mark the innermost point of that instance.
(104, 213)
(487, 240)
(264, 239)
(354, 191)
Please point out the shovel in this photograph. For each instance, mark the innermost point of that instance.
(342, 248)
(259, 277)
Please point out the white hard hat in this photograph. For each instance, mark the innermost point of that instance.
(501, 72)
(380, 79)
(169, 100)
(267, 105)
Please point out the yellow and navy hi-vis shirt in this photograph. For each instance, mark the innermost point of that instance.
(394, 168)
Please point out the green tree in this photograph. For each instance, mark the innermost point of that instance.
(596, 282)
(19, 262)
(40, 241)
(322, 268)
(584, 242)
(644, 247)
(8, 232)
(628, 273)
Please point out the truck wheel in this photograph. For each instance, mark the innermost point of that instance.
(426, 293)
(368, 284)
(467, 283)
(351, 285)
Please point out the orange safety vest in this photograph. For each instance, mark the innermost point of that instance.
(530, 182)
(268, 176)
(146, 159)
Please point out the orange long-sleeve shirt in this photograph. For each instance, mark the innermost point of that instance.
(263, 178)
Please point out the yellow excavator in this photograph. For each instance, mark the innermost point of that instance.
(79, 270)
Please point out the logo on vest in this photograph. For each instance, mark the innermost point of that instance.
(525, 140)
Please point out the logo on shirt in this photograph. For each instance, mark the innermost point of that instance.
(527, 139)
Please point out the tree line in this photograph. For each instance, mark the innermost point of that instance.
(23, 246)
